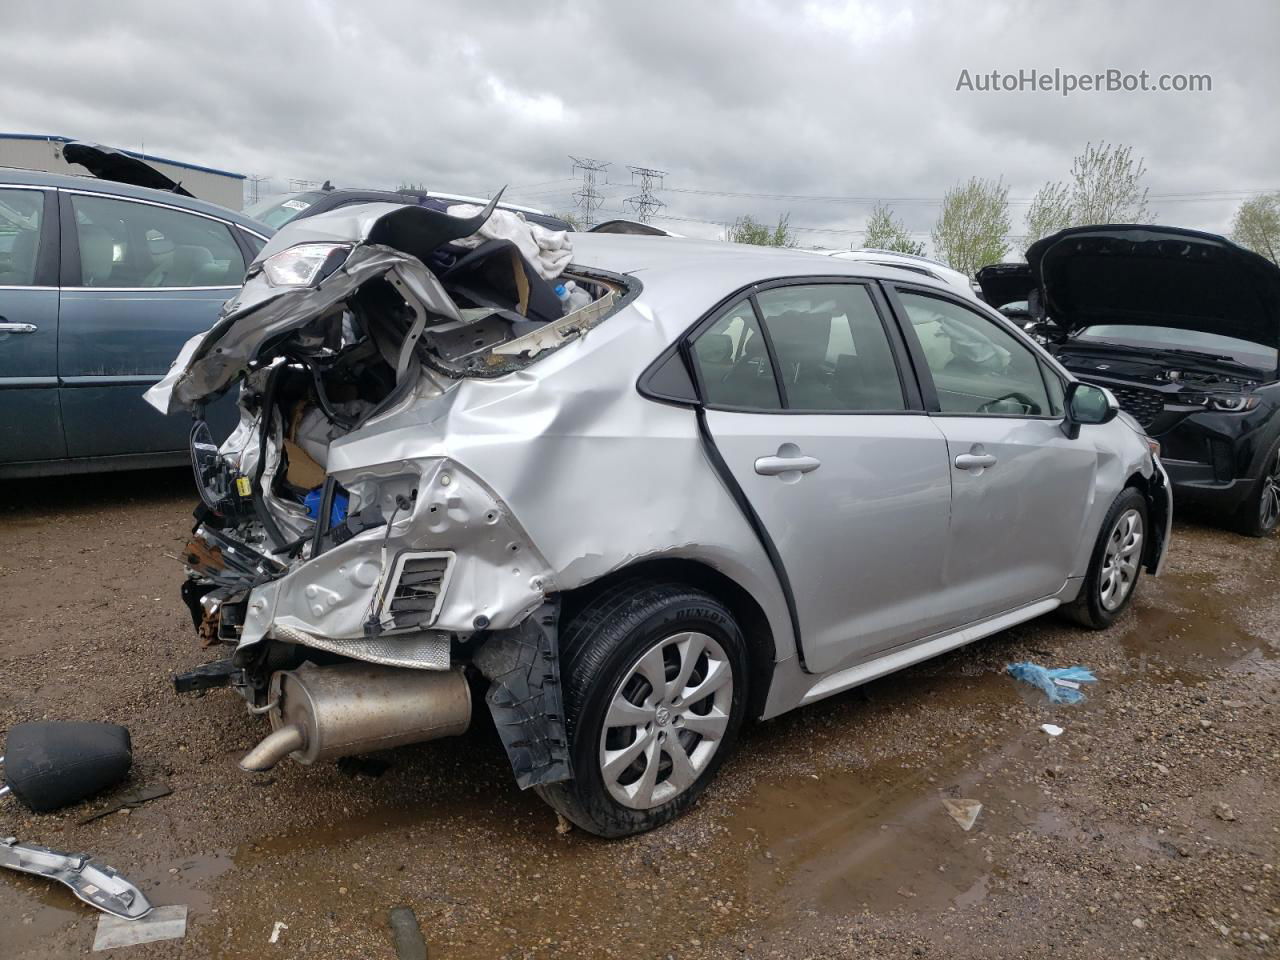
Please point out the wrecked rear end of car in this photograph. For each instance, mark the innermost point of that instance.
(358, 570)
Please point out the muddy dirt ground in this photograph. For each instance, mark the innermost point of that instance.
(1149, 828)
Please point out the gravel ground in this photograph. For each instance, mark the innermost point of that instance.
(1150, 828)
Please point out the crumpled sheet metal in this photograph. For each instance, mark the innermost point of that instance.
(95, 883)
(211, 361)
(594, 476)
(496, 573)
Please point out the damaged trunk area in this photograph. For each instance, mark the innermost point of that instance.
(333, 585)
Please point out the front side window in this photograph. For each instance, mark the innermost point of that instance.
(977, 367)
(832, 350)
(21, 212)
(126, 244)
(733, 362)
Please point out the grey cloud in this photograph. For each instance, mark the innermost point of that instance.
(849, 99)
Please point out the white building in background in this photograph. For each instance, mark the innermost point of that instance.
(32, 151)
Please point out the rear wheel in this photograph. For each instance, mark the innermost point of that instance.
(1260, 513)
(1116, 564)
(655, 682)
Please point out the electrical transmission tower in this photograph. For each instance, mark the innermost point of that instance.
(255, 187)
(589, 196)
(644, 202)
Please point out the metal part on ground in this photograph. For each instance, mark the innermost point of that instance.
(526, 699)
(95, 883)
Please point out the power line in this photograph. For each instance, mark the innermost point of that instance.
(645, 203)
(589, 196)
(1196, 196)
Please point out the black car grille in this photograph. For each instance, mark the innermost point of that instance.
(1143, 405)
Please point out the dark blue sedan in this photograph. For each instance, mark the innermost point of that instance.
(101, 283)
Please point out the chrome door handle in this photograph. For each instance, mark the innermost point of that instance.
(773, 466)
(971, 461)
(6, 327)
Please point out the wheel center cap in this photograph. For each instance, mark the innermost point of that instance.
(663, 716)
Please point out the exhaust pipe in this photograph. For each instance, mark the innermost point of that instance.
(322, 713)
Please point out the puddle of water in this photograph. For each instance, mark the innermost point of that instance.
(880, 838)
(45, 911)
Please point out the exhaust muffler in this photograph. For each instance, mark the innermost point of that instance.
(322, 713)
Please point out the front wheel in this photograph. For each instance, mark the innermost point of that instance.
(1116, 563)
(655, 682)
(1260, 513)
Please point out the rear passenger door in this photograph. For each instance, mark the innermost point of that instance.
(139, 279)
(805, 398)
(30, 424)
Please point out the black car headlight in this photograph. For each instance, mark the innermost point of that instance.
(1225, 402)
(220, 487)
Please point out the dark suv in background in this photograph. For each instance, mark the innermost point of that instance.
(1183, 327)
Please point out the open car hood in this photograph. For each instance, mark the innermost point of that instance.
(106, 163)
(1004, 283)
(1156, 276)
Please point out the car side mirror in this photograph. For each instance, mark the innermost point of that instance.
(1087, 404)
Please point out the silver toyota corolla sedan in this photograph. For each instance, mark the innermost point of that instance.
(712, 482)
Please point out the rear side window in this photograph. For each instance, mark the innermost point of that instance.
(21, 213)
(832, 349)
(733, 362)
(126, 244)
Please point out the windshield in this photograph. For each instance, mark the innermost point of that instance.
(1242, 351)
(277, 211)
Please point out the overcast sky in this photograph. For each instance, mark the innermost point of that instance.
(840, 100)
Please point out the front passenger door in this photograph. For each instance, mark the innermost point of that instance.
(1020, 487)
(807, 405)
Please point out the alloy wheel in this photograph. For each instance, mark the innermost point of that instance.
(1121, 559)
(1269, 508)
(666, 720)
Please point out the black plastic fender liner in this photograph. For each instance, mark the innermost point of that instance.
(52, 765)
(525, 696)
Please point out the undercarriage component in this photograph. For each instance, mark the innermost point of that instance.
(95, 883)
(207, 676)
(525, 698)
(424, 650)
(322, 713)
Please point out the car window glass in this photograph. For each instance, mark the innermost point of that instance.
(733, 362)
(20, 214)
(977, 367)
(125, 244)
(832, 350)
(255, 243)
(1056, 389)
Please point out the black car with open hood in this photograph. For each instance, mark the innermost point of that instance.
(1184, 328)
